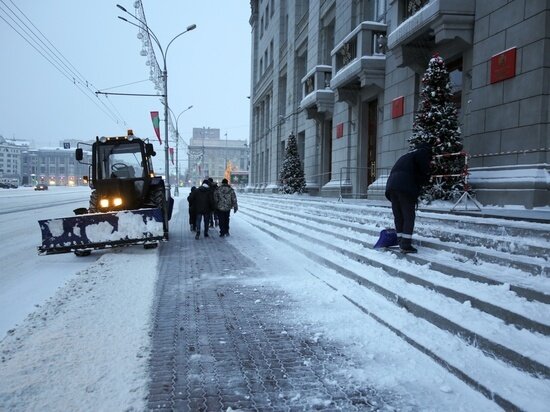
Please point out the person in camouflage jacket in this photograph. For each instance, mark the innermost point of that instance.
(225, 199)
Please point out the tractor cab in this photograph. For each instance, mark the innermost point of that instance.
(121, 173)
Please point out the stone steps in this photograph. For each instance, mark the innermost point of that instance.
(498, 323)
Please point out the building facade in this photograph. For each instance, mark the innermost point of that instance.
(10, 160)
(345, 77)
(54, 166)
(209, 156)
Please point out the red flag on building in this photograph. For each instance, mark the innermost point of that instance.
(156, 124)
(172, 154)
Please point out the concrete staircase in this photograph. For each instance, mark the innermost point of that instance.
(480, 284)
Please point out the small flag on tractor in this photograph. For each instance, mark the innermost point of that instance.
(156, 124)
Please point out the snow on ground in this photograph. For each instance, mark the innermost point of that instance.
(86, 348)
(85, 343)
(383, 360)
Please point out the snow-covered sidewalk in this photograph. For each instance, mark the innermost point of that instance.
(87, 348)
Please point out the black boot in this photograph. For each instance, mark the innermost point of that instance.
(406, 246)
(198, 235)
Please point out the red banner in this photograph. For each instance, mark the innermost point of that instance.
(156, 124)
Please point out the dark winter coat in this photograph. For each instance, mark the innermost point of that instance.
(202, 200)
(225, 198)
(410, 173)
(192, 214)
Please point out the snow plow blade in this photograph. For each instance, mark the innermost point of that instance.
(101, 230)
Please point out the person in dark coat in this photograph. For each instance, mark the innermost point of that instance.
(192, 214)
(408, 175)
(214, 219)
(225, 199)
(202, 200)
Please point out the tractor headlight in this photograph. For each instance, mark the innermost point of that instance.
(104, 203)
(117, 201)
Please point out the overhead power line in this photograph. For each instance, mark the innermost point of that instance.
(53, 56)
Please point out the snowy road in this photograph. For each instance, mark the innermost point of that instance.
(27, 279)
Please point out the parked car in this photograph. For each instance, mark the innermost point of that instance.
(41, 186)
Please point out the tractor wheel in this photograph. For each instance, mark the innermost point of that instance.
(83, 252)
(93, 202)
(158, 198)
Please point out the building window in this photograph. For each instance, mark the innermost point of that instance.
(412, 6)
(261, 27)
(455, 75)
(380, 10)
(365, 11)
(327, 43)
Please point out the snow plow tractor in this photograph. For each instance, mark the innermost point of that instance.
(128, 205)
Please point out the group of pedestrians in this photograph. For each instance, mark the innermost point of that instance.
(210, 202)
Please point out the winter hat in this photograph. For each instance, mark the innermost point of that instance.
(206, 182)
(224, 181)
(425, 146)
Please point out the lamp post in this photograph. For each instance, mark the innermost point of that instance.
(164, 53)
(176, 189)
(226, 158)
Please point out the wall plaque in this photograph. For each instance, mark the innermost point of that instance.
(503, 65)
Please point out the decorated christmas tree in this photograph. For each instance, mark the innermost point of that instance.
(436, 123)
(292, 176)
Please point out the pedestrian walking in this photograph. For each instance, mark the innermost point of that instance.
(408, 175)
(192, 214)
(214, 215)
(202, 200)
(225, 199)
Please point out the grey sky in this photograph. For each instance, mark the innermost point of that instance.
(208, 68)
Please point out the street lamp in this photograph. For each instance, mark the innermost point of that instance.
(226, 159)
(176, 190)
(164, 53)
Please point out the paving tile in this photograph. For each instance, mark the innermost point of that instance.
(217, 342)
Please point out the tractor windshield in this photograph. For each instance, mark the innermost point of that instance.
(123, 161)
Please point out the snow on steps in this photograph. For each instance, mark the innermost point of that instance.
(516, 242)
(494, 325)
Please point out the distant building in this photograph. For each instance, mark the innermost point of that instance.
(209, 155)
(54, 166)
(10, 159)
(345, 77)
